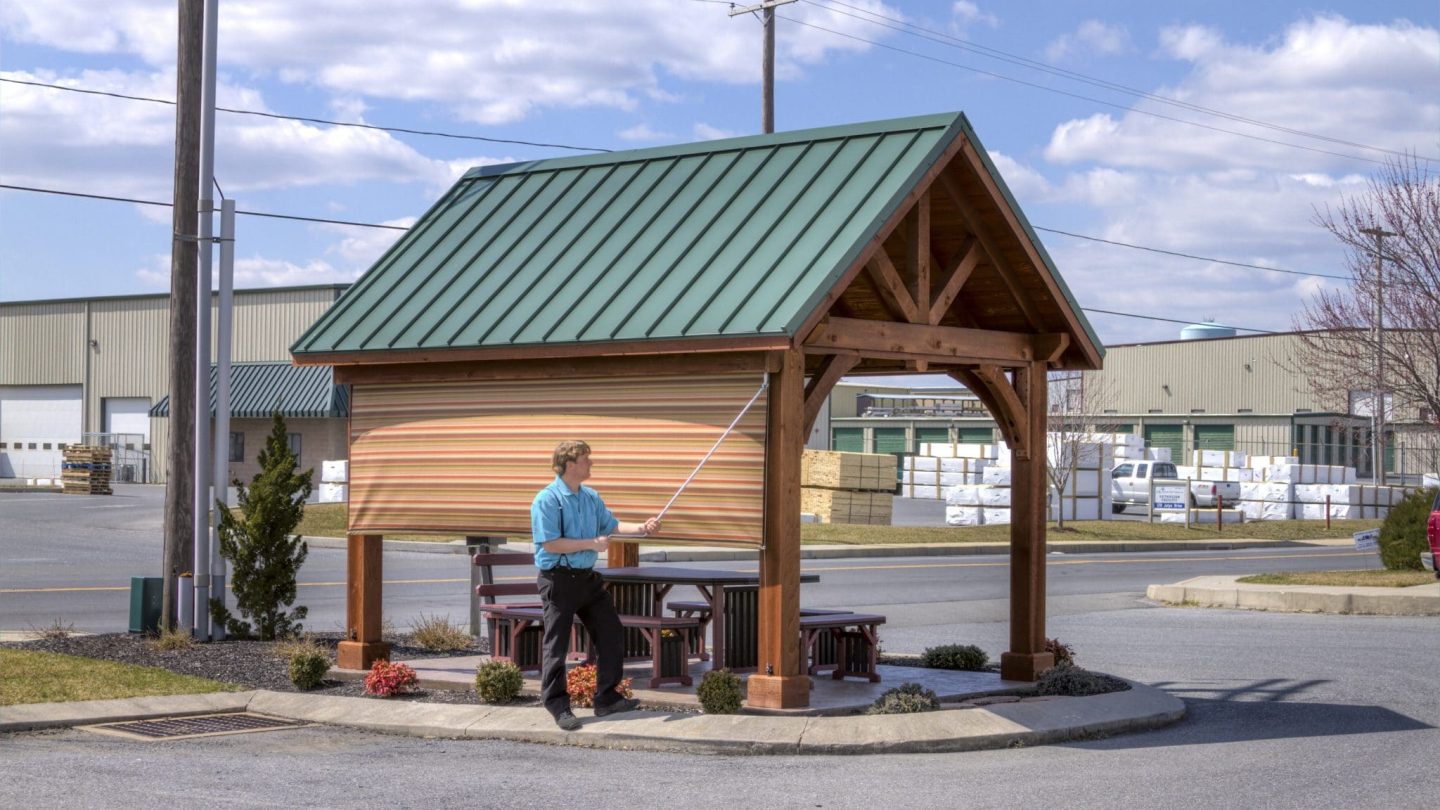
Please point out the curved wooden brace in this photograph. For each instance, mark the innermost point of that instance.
(999, 396)
(832, 368)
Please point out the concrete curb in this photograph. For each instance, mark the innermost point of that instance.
(831, 552)
(1035, 722)
(1226, 592)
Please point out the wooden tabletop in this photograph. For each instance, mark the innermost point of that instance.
(687, 576)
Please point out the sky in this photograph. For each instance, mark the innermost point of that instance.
(1214, 129)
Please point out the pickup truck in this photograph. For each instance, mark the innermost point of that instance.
(1130, 485)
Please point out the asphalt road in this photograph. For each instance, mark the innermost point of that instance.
(1285, 710)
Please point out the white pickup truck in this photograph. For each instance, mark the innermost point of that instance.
(1130, 485)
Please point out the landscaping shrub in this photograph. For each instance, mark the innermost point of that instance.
(580, 683)
(719, 692)
(498, 681)
(1072, 681)
(55, 631)
(173, 638)
(1064, 653)
(387, 679)
(1402, 535)
(907, 698)
(439, 634)
(308, 667)
(955, 656)
(264, 556)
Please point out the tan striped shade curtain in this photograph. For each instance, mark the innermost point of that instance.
(468, 457)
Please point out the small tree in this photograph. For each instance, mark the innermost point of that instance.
(1076, 403)
(265, 557)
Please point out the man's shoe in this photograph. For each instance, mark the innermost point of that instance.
(621, 705)
(567, 720)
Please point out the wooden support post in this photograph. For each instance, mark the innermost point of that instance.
(363, 578)
(622, 555)
(1027, 657)
(780, 682)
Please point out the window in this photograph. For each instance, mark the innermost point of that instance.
(1140, 470)
(47, 445)
(294, 439)
(1164, 470)
(1123, 471)
(237, 446)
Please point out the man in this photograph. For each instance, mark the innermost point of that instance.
(571, 526)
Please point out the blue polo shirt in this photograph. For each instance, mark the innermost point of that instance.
(558, 513)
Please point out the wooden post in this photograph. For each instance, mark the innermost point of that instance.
(622, 555)
(780, 682)
(363, 578)
(1027, 657)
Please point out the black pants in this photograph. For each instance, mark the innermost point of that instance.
(568, 594)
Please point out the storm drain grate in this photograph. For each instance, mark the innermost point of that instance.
(174, 728)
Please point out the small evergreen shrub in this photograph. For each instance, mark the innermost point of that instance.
(580, 683)
(1402, 535)
(907, 698)
(387, 679)
(719, 692)
(498, 681)
(1064, 653)
(1072, 681)
(308, 668)
(439, 634)
(955, 656)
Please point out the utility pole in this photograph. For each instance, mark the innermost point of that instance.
(767, 98)
(179, 487)
(1377, 396)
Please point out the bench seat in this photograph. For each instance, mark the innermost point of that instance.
(857, 643)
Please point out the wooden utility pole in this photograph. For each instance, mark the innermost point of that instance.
(767, 18)
(180, 466)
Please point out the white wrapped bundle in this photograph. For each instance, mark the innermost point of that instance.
(964, 495)
(1316, 511)
(1283, 473)
(1241, 474)
(936, 478)
(937, 449)
(1086, 483)
(334, 472)
(1430, 480)
(333, 493)
(1267, 501)
(1125, 451)
(1079, 455)
(1076, 509)
(986, 451)
(1186, 471)
(1157, 453)
(950, 465)
(1202, 516)
(994, 496)
(1216, 458)
(964, 516)
(997, 516)
(1260, 462)
(925, 492)
(996, 475)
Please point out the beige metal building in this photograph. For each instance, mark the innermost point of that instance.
(73, 368)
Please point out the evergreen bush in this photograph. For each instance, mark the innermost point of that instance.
(1072, 681)
(498, 681)
(263, 556)
(907, 698)
(720, 692)
(308, 668)
(954, 656)
(1402, 535)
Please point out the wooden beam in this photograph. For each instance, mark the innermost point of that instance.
(1007, 274)
(832, 368)
(1049, 348)
(937, 344)
(891, 287)
(363, 584)
(989, 384)
(690, 347)
(781, 682)
(1029, 500)
(964, 263)
(710, 362)
(917, 254)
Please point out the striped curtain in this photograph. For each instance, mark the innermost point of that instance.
(468, 457)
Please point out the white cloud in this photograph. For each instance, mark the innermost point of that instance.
(965, 12)
(1092, 37)
(360, 247)
(487, 61)
(705, 132)
(642, 132)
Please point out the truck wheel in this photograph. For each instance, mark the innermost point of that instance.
(1117, 508)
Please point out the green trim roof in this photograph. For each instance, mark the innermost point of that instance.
(257, 389)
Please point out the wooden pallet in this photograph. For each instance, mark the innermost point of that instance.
(845, 506)
(86, 470)
(865, 472)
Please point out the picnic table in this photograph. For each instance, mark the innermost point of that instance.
(652, 583)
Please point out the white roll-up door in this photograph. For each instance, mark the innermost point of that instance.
(129, 416)
(35, 421)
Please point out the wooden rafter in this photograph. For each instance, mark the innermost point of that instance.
(946, 345)
(891, 287)
(966, 259)
(832, 368)
(917, 255)
(990, 385)
(1006, 273)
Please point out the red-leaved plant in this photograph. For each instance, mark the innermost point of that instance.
(387, 679)
(580, 683)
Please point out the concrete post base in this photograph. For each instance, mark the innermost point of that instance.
(778, 691)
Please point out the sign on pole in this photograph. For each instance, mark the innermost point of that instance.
(1169, 496)
(1368, 540)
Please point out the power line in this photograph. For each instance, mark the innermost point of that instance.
(1190, 255)
(1172, 320)
(311, 120)
(958, 43)
(1069, 94)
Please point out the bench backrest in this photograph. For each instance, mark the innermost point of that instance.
(489, 559)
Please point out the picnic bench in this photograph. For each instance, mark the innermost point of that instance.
(834, 639)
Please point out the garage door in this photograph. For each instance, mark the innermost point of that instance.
(35, 420)
(1214, 437)
(930, 434)
(1171, 436)
(848, 439)
(129, 417)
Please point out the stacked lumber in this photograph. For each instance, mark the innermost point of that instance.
(847, 487)
(86, 470)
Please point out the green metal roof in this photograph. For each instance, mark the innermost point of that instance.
(258, 389)
(730, 238)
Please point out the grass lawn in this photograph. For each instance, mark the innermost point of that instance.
(328, 520)
(40, 677)
(1370, 578)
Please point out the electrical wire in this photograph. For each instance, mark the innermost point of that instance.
(311, 120)
(1190, 255)
(1172, 320)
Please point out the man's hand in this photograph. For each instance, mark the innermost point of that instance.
(652, 525)
(602, 542)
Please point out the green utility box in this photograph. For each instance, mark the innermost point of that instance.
(145, 601)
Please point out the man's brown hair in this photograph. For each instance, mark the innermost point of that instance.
(568, 451)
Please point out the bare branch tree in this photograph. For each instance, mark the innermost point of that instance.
(1077, 402)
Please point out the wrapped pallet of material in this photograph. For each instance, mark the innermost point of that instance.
(1310, 474)
(996, 475)
(1184, 471)
(994, 496)
(868, 472)
(1157, 454)
(1260, 462)
(1267, 501)
(1430, 480)
(332, 493)
(964, 516)
(1216, 458)
(335, 472)
(960, 450)
(937, 478)
(1080, 455)
(1076, 509)
(996, 515)
(965, 495)
(1240, 474)
(924, 492)
(949, 465)
(1086, 484)
(1202, 516)
(1125, 452)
